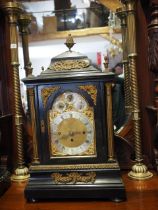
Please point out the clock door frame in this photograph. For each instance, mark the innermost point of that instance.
(47, 93)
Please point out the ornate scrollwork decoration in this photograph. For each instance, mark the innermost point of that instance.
(74, 177)
(66, 65)
(91, 90)
(54, 150)
(46, 92)
(90, 150)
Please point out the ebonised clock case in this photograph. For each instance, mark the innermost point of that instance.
(108, 183)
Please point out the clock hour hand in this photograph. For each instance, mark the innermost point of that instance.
(70, 134)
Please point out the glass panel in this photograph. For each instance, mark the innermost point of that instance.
(82, 14)
(71, 126)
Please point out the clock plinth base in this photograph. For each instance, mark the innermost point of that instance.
(108, 185)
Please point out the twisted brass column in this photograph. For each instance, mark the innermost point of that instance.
(122, 14)
(139, 170)
(23, 21)
(13, 9)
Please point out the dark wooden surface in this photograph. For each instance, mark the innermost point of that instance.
(141, 195)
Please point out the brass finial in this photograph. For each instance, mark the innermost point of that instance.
(106, 63)
(69, 42)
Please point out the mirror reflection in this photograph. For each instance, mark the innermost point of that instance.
(91, 23)
(51, 16)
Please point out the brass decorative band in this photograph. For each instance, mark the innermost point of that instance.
(109, 121)
(136, 115)
(33, 122)
(46, 92)
(91, 90)
(132, 55)
(74, 177)
(15, 63)
(75, 166)
(66, 65)
(18, 120)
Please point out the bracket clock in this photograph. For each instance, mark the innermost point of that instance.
(71, 112)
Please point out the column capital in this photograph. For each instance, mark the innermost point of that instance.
(23, 21)
(122, 14)
(130, 4)
(12, 9)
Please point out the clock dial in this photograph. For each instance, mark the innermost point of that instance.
(80, 104)
(72, 133)
(69, 99)
(71, 126)
(60, 106)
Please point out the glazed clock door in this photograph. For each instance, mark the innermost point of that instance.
(73, 126)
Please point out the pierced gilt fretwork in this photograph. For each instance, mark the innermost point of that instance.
(74, 177)
(91, 90)
(66, 65)
(46, 92)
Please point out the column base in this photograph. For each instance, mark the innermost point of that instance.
(21, 174)
(139, 172)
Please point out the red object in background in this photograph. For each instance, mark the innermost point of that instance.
(106, 59)
(98, 58)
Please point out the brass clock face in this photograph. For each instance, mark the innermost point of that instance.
(73, 133)
(72, 126)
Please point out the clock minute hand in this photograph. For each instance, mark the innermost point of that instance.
(76, 132)
(71, 133)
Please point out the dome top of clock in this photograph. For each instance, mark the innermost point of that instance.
(70, 61)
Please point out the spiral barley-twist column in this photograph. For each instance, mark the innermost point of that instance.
(135, 109)
(13, 9)
(122, 14)
(139, 170)
(127, 87)
(18, 116)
